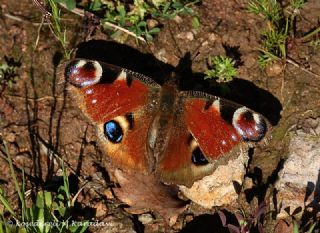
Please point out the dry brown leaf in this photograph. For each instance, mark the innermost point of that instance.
(146, 192)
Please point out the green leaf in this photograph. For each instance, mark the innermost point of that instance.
(295, 227)
(142, 24)
(122, 11)
(154, 30)
(95, 5)
(149, 37)
(311, 228)
(44, 199)
(6, 204)
(195, 22)
(14, 177)
(79, 227)
(166, 7)
(222, 69)
(177, 5)
(62, 211)
(22, 230)
(71, 4)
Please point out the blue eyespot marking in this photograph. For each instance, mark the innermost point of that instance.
(113, 131)
(198, 158)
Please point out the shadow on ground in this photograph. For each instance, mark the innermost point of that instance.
(238, 90)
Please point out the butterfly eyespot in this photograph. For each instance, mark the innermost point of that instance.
(113, 131)
(82, 73)
(198, 158)
(251, 126)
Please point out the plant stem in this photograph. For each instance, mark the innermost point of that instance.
(314, 32)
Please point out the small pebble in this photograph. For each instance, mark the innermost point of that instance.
(186, 35)
(145, 218)
(274, 69)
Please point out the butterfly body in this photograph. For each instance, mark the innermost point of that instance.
(162, 124)
(180, 136)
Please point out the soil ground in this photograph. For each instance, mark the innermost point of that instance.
(38, 119)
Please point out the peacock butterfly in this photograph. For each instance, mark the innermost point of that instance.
(178, 136)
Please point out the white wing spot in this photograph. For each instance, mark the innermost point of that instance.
(89, 91)
(216, 105)
(236, 115)
(257, 119)
(234, 137)
(99, 70)
(80, 63)
(122, 75)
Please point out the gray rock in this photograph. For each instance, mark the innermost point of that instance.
(299, 179)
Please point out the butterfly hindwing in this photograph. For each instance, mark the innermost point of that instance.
(219, 125)
(120, 103)
(210, 130)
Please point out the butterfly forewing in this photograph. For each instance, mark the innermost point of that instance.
(120, 103)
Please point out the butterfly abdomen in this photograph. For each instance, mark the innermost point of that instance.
(162, 124)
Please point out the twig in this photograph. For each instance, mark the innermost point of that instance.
(79, 12)
(125, 30)
(13, 17)
(296, 64)
(38, 33)
(19, 19)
